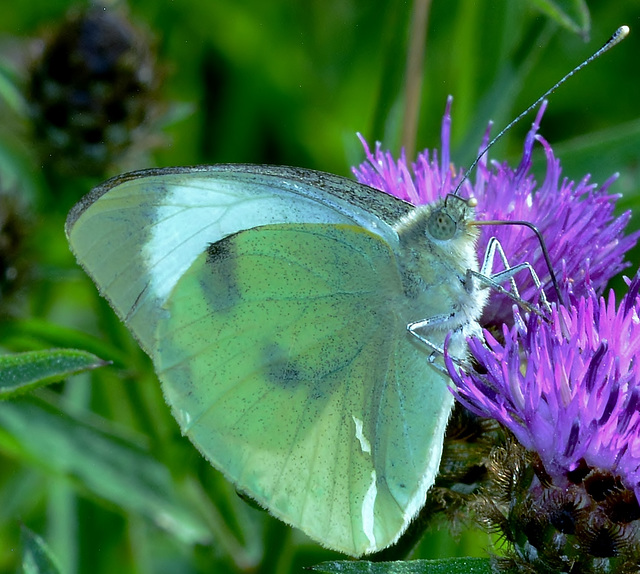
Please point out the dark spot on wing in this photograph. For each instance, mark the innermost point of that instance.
(281, 370)
(220, 285)
(220, 250)
(286, 373)
(289, 371)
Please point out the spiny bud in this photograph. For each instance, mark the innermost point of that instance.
(14, 263)
(583, 527)
(92, 90)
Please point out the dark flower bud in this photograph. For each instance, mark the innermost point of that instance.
(92, 90)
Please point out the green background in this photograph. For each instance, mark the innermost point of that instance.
(96, 465)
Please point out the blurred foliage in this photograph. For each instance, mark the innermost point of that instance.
(37, 558)
(96, 465)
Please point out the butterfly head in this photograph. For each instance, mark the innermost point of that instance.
(446, 226)
(437, 248)
(450, 218)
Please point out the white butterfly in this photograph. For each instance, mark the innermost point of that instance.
(275, 304)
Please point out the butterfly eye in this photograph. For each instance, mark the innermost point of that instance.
(441, 225)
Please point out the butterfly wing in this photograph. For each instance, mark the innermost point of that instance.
(285, 357)
(137, 234)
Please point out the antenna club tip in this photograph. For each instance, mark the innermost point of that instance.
(620, 34)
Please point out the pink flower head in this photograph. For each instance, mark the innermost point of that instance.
(584, 239)
(568, 388)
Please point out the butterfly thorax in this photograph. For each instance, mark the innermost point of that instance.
(437, 249)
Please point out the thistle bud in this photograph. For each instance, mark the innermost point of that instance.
(567, 497)
(14, 263)
(92, 90)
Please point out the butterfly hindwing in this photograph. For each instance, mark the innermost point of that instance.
(284, 354)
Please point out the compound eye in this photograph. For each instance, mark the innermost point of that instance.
(441, 225)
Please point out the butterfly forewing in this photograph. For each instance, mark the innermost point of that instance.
(135, 235)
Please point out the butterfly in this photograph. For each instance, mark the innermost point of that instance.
(275, 303)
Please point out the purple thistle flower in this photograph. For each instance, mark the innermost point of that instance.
(425, 181)
(568, 388)
(585, 241)
(566, 498)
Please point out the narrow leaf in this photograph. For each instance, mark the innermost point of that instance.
(443, 566)
(571, 14)
(37, 334)
(36, 556)
(23, 372)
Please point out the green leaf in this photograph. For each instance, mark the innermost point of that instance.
(28, 334)
(571, 14)
(92, 454)
(24, 372)
(443, 566)
(36, 556)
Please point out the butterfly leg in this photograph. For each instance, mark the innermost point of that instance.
(488, 279)
(436, 322)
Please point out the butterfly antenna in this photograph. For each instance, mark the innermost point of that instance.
(619, 35)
